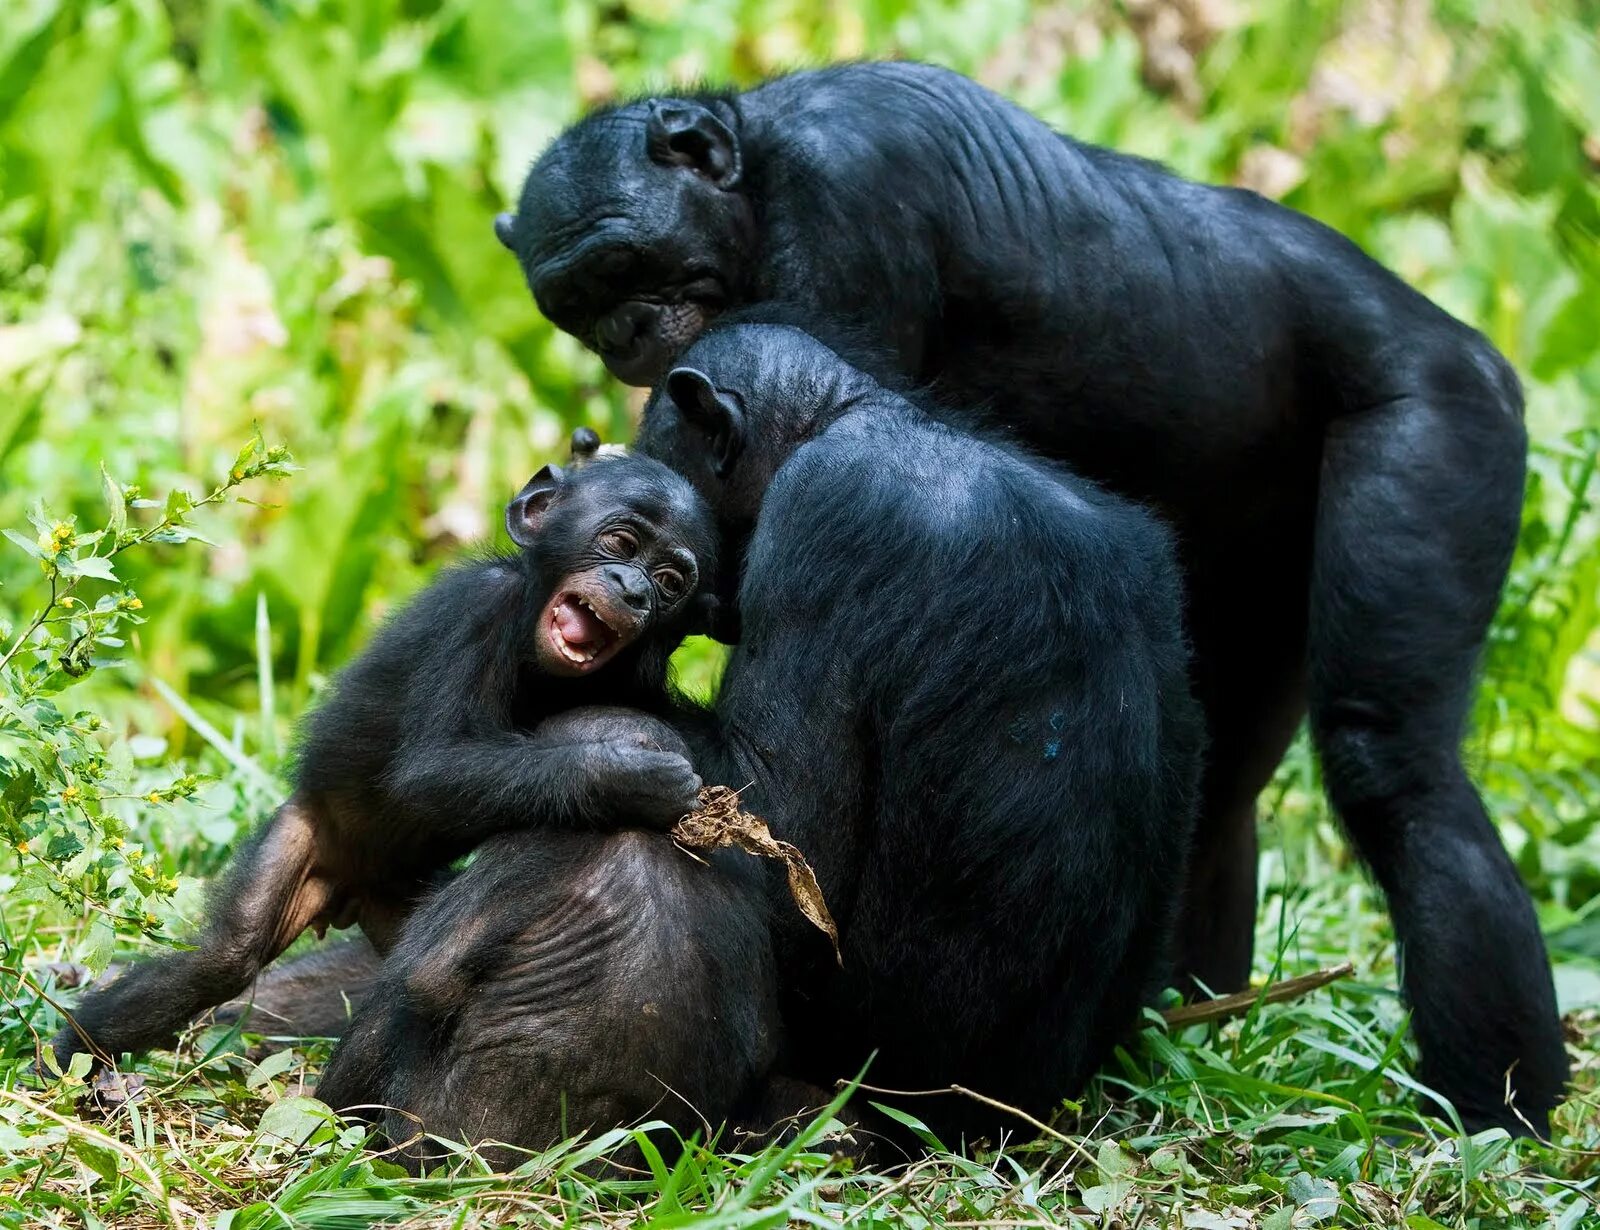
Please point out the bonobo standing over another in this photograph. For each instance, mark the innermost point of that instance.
(1341, 459)
(455, 724)
(992, 768)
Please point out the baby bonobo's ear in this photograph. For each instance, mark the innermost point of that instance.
(585, 443)
(526, 512)
(716, 414)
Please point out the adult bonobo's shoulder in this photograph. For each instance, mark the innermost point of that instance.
(755, 413)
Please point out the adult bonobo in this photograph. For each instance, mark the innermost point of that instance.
(992, 767)
(1342, 460)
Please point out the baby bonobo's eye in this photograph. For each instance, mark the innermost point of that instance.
(671, 582)
(620, 542)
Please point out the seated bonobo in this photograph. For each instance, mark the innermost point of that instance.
(565, 982)
(447, 730)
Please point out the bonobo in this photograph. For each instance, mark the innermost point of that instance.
(1341, 460)
(567, 981)
(991, 767)
(438, 736)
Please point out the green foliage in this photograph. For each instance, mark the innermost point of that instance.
(67, 793)
(222, 213)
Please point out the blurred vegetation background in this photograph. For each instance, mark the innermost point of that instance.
(224, 215)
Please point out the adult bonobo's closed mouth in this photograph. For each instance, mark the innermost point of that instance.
(636, 285)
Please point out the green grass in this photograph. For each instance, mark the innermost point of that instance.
(224, 215)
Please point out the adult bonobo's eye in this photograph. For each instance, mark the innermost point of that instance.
(671, 582)
(623, 543)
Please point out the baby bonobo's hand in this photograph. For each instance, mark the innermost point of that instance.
(641, 784)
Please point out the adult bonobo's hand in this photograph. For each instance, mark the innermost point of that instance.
(1341, 459)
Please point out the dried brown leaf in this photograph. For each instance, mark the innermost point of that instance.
(722, 822)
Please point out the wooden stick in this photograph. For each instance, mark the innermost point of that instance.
(1241, 1002)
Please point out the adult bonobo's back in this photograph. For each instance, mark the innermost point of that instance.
(1342, 460)
(992, 768)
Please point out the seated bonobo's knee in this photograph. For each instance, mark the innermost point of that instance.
(610, 724)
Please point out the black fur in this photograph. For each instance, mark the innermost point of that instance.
(1341, 460)
(569, 981)
(992, 767)
(438, 736)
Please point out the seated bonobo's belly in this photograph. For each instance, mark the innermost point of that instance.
(577, 961)
(646, 971)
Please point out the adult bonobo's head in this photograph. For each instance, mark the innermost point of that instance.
(736, 406)
(625, 553)
(633, 229)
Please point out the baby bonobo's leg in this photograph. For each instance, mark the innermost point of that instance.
(273, 891)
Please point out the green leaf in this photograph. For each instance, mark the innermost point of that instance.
(292, 1120)
(116, 503)
(179, 503)
(27, 544)
(97, 946)
(273, 1065)
(97, 566)
(96, 1157)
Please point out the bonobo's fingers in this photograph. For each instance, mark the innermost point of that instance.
(652, 788)
(310, 997)
(271, 893)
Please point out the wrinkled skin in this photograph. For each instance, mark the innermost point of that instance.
(568, 982)
(1341, 460)
(440, 736)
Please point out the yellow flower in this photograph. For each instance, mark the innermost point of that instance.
(22, 847)
(135, 604)
(150, 920)
(153, 797)
(114, 842)
(169, 884)
(71, 794)
(147, 870)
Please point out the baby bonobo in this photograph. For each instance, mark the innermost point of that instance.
(438, 736)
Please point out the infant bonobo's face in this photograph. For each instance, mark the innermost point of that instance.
(625, 550)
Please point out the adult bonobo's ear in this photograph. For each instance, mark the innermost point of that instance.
(503, 226)
(716, 414)
(526, 512)
(685, 134)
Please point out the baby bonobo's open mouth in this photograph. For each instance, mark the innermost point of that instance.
(583, 632)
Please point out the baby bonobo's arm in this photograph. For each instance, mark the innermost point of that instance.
(464, 770)
(613, 775)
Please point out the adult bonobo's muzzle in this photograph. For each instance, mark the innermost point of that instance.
(633, 230)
